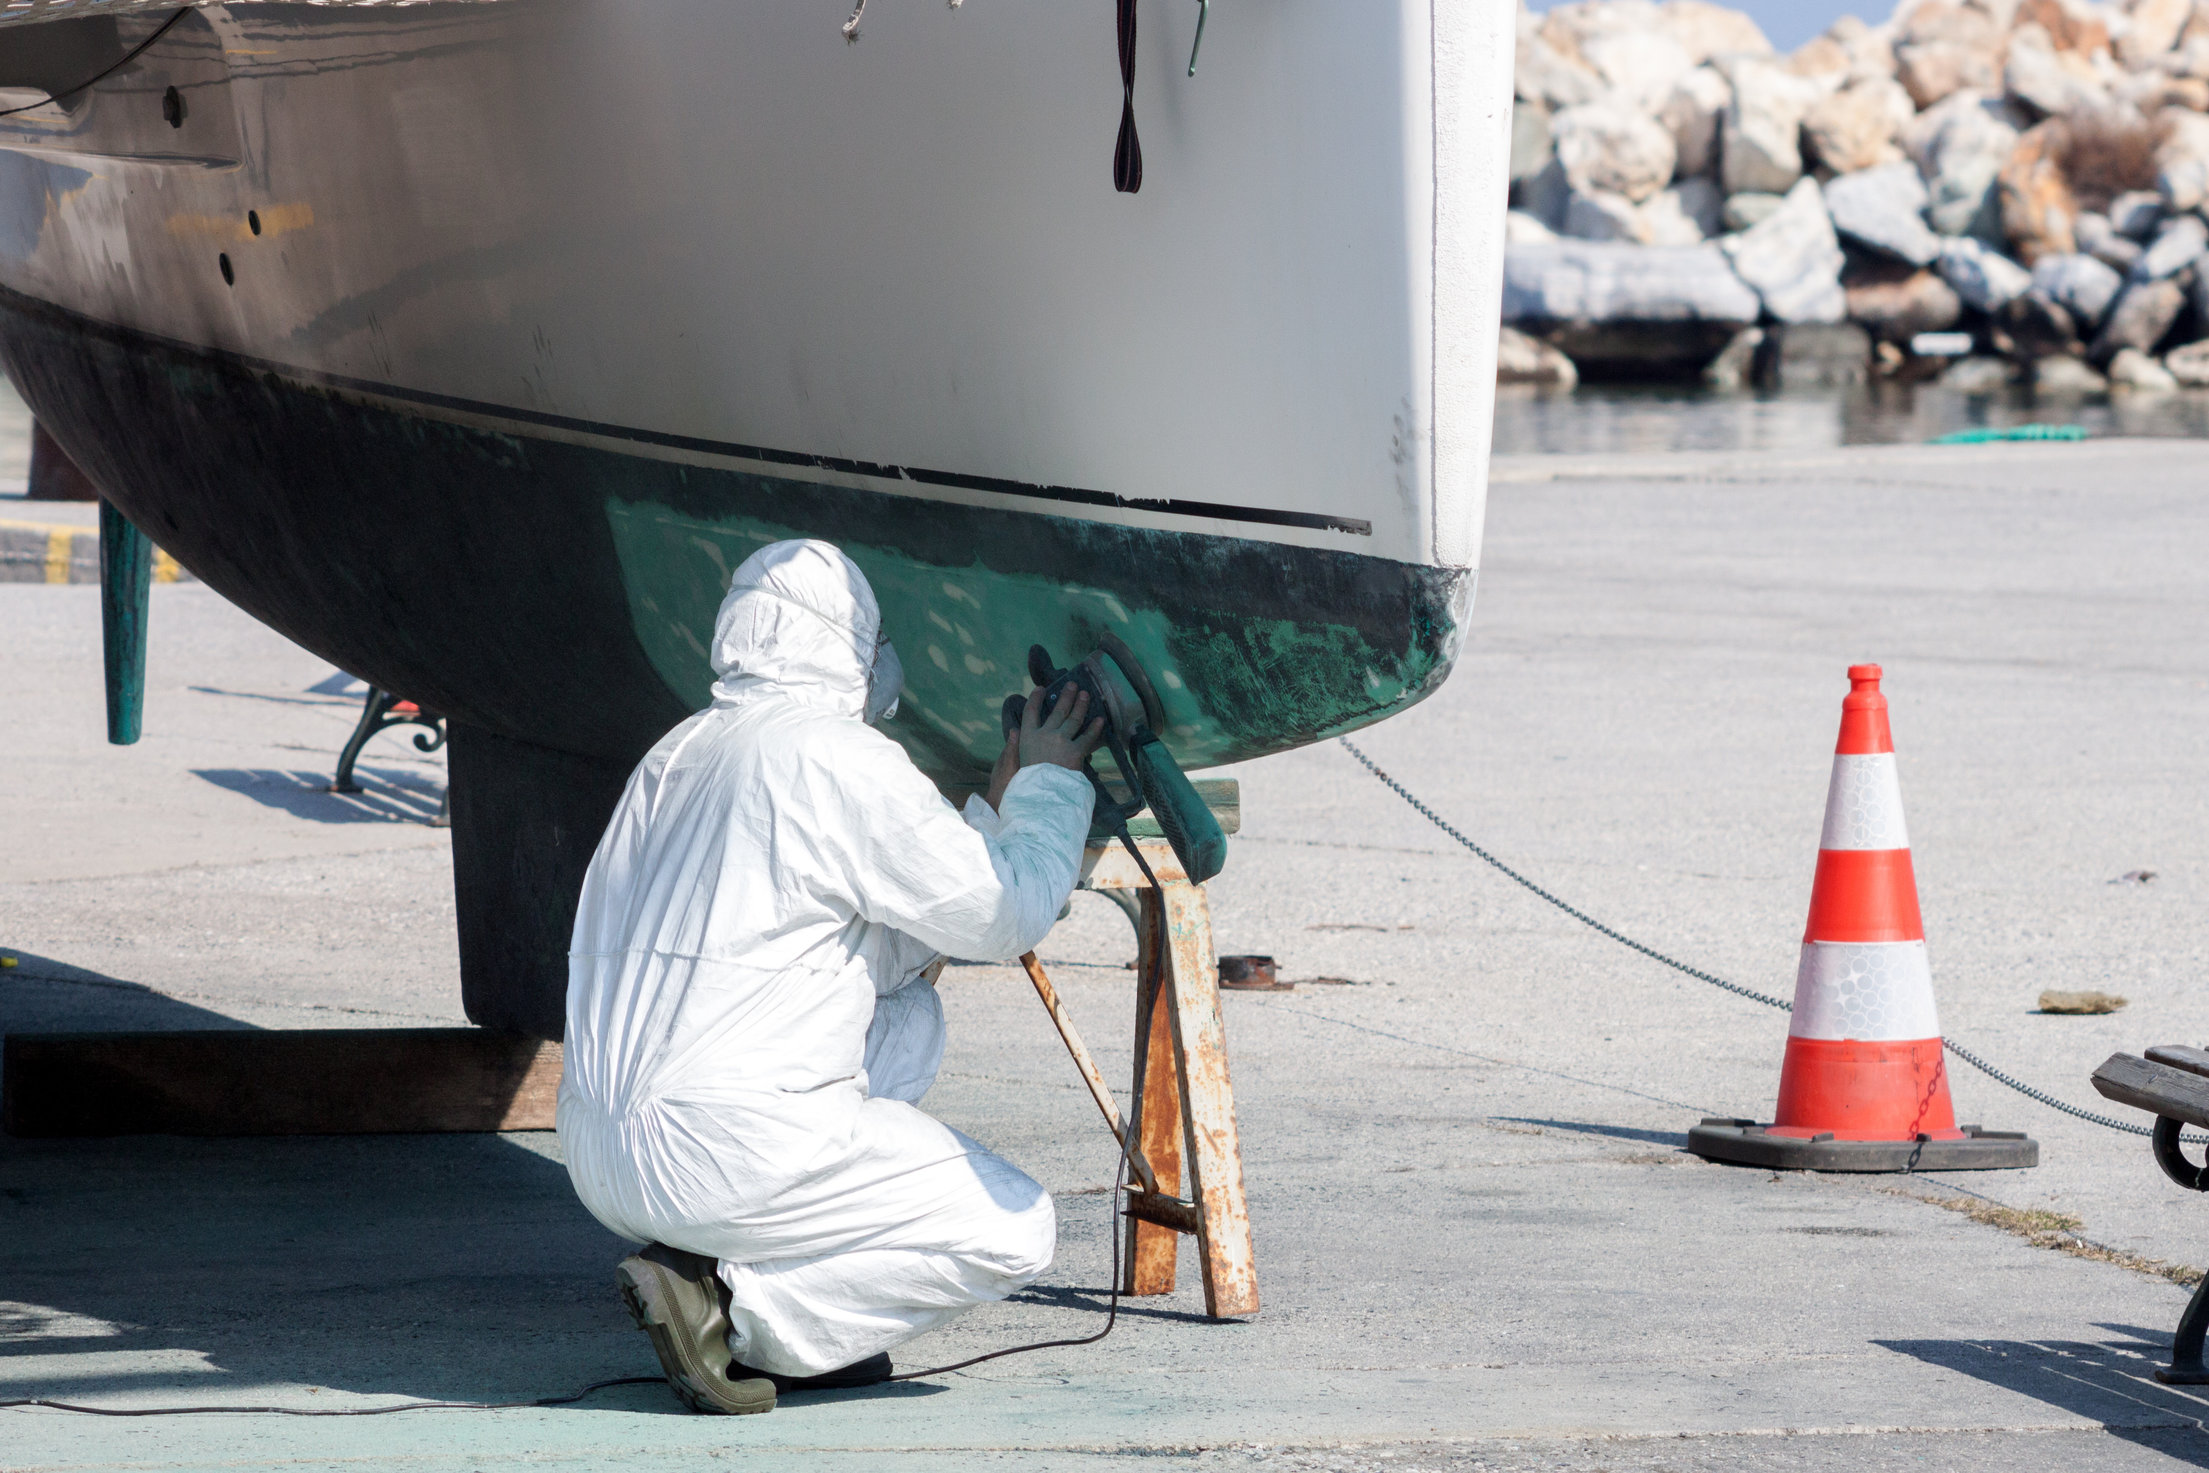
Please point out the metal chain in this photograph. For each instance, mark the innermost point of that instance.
(2039, 1095)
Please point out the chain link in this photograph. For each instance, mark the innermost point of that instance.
(2038, 1095)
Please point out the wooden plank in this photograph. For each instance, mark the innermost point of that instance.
(336, 1081)
(1153, 1250)
(2179, 1056)
(2156, 1088)
(1208, 1106)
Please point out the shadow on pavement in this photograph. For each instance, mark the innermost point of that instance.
(1619, 1132)
(172, 1270)
(388, 794)
(180, 1270)
(2111, 1381)
(1099, 1300)
(41, 994)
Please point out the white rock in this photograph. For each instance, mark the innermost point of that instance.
(1977, 375)
(1520, 228)
(1942, 48)
(2136, 213)
(1556, 81)
(2191, 59)
(1761, 147)
(2152, 28)
(1884, 208)
(1859, 127)
(1709, 30)
(1521, 359)
(2182, 159)
(2189, 365)
(1692, 112)
(1642, 65)
(1742, 211)
(1591, 281)
(1544, 195)
(1960, 146)
(1531, 149)
(1985, 279)
(1871, 49)
(2096, 237)
(1793, 259)
(1699, 200)
(1598, 214)
(2061, 373)
(1668, 220)
(1907, 308)
(1606, 147)
(2176, 246)
(2081, 285)
(2046, 80)
(2142, 314)
(1569, 27)
(2133, 369)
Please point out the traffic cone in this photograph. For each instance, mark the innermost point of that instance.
(1864, 1085)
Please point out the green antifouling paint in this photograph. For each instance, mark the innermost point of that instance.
(126, 584)
(1987, 436)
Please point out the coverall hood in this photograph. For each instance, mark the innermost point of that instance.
(800, 622)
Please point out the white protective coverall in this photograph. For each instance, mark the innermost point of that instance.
(747, 1023)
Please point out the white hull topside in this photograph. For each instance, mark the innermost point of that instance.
(716, 220)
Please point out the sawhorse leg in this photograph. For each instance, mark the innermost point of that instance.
(1178, 1017)
(1152, 1247)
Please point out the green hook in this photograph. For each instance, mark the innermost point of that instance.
(1204, 12)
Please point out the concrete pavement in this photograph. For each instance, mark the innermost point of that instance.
(1480, 1245)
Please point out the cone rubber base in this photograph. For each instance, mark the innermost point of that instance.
(1749, 1144)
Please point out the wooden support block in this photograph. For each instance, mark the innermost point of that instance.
(1155, 1101)
(1208, 1105)
(335, 1081)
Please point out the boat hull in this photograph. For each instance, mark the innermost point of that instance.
(472, 346)
(560, 590)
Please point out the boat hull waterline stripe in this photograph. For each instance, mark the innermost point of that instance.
(767, 455)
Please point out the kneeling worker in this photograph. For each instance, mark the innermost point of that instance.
(749, 1022)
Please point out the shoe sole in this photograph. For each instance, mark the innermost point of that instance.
(647, 1291)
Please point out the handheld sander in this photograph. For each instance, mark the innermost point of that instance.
(1121, 692)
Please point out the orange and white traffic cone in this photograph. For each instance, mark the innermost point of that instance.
(1864, 1086)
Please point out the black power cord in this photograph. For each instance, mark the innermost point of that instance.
(404, 1406)
(97, 77)
(1112, 1308)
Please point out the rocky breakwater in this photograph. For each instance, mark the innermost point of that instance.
(1990, 191)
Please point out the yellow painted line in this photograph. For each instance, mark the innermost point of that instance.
(61, 550)
(59, 544)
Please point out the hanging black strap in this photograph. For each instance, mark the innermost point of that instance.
(1127, 154)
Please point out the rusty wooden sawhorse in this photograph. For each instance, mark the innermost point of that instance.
(1182, 1107)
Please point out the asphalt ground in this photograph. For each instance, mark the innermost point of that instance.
(1480, 1243)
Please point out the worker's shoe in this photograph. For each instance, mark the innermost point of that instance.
(679, 1301)
(872, 1371)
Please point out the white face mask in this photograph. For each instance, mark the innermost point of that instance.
(885, 682)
